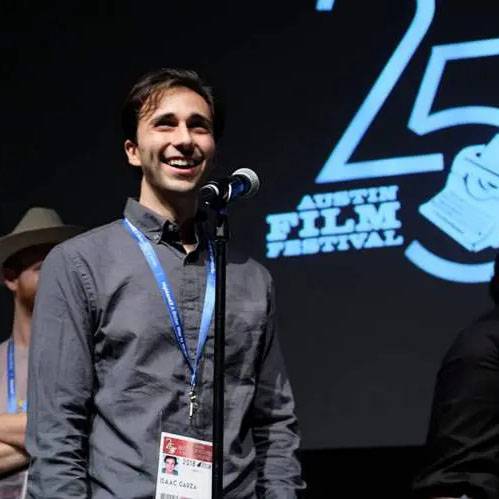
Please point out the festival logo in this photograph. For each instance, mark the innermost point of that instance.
(465, 210)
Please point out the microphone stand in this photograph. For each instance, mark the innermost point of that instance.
(216, 195)
(221, 239)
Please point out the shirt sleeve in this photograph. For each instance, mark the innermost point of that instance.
(60, 381)
(275, 428)
(463, 437)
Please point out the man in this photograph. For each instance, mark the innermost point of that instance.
(21, 255)
(170, 463)
(463, 438)
(119, 357)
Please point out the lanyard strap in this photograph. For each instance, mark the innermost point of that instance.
(170, 302)
(11, 379)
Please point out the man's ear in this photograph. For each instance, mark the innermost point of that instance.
(10, 279)
(132, 153)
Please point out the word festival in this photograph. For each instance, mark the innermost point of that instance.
(337, 221)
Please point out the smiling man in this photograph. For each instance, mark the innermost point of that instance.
(123, 333)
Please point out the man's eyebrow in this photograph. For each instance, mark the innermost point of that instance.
(200, 117)
(161, 117)
(195, 116)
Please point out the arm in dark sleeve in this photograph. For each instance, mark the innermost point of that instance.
(463, 438)
(275, 429)
(60, 381)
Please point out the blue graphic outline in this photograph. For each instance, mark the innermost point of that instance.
(422, 121)
(324, 5)
(447, 269)
(337, 167)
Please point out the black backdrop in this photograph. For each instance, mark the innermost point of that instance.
(363, 331)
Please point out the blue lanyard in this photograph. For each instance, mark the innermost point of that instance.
(169, 299)
(11, 380)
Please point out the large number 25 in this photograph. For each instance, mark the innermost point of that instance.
(422, 120)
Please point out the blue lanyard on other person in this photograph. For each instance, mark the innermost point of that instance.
(169, 299)
(12, 403)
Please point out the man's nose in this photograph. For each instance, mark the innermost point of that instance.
(183, 137)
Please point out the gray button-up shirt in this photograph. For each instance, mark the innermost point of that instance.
(106, 374)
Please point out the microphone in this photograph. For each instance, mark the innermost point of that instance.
(243, 183)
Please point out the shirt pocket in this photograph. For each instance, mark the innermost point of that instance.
(245, 339)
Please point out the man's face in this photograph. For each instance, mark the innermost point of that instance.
(175, 144)
(23, 279)
(169, 465)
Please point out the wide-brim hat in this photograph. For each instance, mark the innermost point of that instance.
(38, 226)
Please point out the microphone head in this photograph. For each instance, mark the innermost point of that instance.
(253, 180)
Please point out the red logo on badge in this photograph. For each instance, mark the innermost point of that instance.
(168, 446)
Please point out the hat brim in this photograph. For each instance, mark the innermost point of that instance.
(11, 244)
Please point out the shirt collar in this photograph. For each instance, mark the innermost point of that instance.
(154, 226)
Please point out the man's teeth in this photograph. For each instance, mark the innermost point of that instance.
(182, 163)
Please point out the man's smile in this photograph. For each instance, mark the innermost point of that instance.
(182, 162)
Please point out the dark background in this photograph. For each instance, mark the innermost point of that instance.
(363, 332)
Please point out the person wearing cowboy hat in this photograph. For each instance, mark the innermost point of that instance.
(21, 255)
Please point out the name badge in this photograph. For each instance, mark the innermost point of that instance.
(184, 468)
